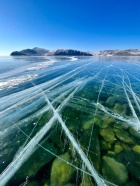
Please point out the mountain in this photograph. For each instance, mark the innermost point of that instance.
(107, 52)
(70, 52)
(26, 52)
(128, 52)
(17, 53)
(43, 52)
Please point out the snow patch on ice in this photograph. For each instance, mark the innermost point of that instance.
(16, 81)
(40, 66)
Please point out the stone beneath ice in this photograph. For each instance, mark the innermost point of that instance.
(114, 171)
(61, 172)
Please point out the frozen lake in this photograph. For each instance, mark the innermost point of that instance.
(69, 121)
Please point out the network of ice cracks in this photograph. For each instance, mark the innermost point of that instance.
(63, 87)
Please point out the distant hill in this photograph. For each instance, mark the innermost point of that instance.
(26, 52)
(128, 52)
(43, 52)
(70, 52)
(17, 53)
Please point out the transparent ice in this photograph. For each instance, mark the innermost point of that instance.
(65, 106)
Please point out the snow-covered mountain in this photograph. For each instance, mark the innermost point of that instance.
(128, 52)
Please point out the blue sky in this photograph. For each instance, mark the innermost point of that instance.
(79, 24)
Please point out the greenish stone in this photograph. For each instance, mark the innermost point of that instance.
(104, 122)
(88, 124)
(114, 171)
(134, 133)
(120, 108)
(104, 145)
(108, 120)
(111, 153)
(125, 147)
(123, 136)
(99, 122)
(117, 149)
(136, 149)
(111, 101)
(61, 172)
(46, 183)
(108, 135)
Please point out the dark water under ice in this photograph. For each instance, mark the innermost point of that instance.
(68, 121)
